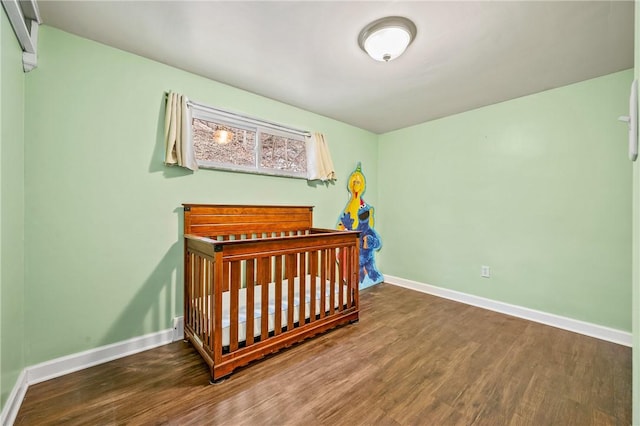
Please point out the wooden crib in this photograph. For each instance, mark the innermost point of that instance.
(253, 259)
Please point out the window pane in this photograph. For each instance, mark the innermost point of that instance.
(283, 153)
(210, 144)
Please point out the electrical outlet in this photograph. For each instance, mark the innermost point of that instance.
(485, 272)
(178, 328)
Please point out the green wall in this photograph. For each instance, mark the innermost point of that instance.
(103, 217)
(636, 248)
(537, 188)
(12, 86)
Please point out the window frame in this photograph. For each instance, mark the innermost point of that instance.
(249, 124)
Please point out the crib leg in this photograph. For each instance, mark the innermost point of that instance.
(218, 381)
(355, 321)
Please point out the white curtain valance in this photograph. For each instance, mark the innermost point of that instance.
(319, 163)
(177, 133)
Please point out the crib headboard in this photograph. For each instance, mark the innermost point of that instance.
(220, 220)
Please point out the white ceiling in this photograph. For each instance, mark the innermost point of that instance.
(305, 53)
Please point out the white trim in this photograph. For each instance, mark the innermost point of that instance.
(81, 360)
(19, 24)
(30, 59)
(243, 121)
(588, 329)
(13, 403)
(25, 29)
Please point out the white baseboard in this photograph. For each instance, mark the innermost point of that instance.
(14, 401)
(81, 360)
(570, 324)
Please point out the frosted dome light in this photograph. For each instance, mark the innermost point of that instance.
(387, 38)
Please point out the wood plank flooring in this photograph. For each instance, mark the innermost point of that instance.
(413, 359)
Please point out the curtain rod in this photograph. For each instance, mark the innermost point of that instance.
(256, 121)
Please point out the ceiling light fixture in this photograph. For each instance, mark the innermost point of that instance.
(387, 38)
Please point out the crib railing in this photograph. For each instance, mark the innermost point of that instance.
(250, 271)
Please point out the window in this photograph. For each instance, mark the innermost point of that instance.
(229, 142)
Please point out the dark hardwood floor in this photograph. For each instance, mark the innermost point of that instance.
(413, 359)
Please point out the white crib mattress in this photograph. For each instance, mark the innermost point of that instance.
(257, 311)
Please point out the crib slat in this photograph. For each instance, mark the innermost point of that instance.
(187, 284)
(204, 315)
(188, 297)
(225, 277)
(264, 311)
(196, 279)
(355, 268)
(291, 276)
(278, 285)
(250, 305)
(233, 308)
(202, 291)
(203, 298)
(210, 310)
(323, 282)
(199, 279)
(206, 272)
(268, 272)
(356, 274)
(302, 290)
(332, 281)
(250, 272)
(198, 294)
(313, 272)
(341, 267)
(216, 308)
